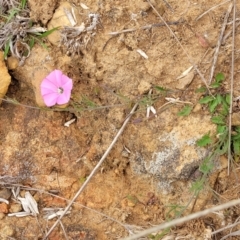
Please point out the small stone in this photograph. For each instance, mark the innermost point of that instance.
(3, 208)
(60, 19)
(125, 154)
(2, 216)
(197, 107)
(12, 63)
(5, 79)
(236, 119)
(185, 81)
(15, 207)
(5, 193)
(144, 87)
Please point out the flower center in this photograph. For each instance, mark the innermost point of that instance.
(60, 90)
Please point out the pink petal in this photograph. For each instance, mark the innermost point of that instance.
(45, 91)
(58, 77)
(65, 79)
(67, 86)
(50, 99)
(55, 77)
(64, 97)
(48, 84)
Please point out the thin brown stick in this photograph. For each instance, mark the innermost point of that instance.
(231, 87)
(94, 170)
(210, 9)
(68, 200)
(219, 43)
(150, 26)
(183, 219)
(184, 50)
(228, 33)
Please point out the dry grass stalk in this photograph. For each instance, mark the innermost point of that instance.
(210, 9)
(183, 219)
(219, 43)
(231, 87)
(94, 170)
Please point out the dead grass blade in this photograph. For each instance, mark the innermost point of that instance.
(219, 43)
(210, 9)
(231, 86)
(183, 219)
(94, 170)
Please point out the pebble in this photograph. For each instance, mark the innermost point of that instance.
(3, 208)
(15, 207)
(5, 193)
(144, 87)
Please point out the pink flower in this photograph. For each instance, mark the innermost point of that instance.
(56, 88)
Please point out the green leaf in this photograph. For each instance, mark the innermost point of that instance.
(6, 49)
(218, 119)
(185, 111)
(235, 137)
(228, 98)
(204, 141)
(219, 98)
(219, 77)
(222, 148)
(213, 105)
(206, 99)
(215, 85)
(23, 3)
(31, 42)
(237, 129)
(221, 129)
(201, 90)
(236, 147)
(45, 34)
(206, 166)
(197, 186)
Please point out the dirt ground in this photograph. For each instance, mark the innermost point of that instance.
(150, 168)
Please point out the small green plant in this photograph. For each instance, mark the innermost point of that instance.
(185, 111)
(218, 105)
(17, 31)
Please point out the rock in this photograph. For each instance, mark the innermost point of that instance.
(236, 119)
(36, 68)
(15, 207)
(5, 79)
(42, 10)
(5, 193)
(144, 87)
(185, 81)
(60, 19)
(12, 63)
(2, 215)
(173, 155)
(3, 208)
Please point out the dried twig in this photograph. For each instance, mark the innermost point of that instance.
(219, 43)
(210, 9)
(228, 33)
(184, 50)
(147, 27)
(183, 219)
(94, 170)
(231, 87)
(126, 226)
